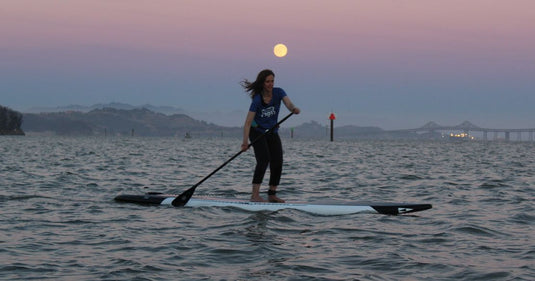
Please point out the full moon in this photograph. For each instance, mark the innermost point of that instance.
(280, 50)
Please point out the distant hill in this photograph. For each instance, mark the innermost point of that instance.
(168, 110)
(123, 119)
(10, 122)
(314, 129)
(145, 122)
(310, 129)
(112, 121)
(217, 117)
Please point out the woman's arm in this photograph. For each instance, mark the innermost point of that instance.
(291, 107)
(246, 129)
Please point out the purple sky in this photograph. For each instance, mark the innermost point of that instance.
(393, 64)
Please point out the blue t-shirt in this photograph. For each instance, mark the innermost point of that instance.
(267, 114)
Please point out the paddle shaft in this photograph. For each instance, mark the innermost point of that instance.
(183, 198)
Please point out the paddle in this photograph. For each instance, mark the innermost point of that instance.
(183, 198)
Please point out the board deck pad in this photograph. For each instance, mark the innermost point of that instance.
(322, 208)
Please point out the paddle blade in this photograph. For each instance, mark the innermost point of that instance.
(183, 198)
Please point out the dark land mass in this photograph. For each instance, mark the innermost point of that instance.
(116, 122)
(315, 130)
(144, 122)
(167, 110)
(10, 122)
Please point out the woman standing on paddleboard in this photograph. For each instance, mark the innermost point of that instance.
(263, 115)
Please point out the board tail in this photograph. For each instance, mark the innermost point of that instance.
(404, 209)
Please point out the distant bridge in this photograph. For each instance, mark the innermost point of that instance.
(468, 127)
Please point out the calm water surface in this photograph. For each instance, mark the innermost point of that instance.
(59, 220)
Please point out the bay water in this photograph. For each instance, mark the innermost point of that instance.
(59, 220)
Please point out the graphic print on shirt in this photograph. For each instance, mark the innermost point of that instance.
(267, 112)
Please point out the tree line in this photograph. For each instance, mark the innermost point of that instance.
(10, 121)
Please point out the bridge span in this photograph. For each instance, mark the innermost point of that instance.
(467, 127)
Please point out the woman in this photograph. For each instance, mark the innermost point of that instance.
(263, 114)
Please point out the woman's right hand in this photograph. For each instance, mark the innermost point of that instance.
(244, 146)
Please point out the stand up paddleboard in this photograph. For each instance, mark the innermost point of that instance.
(186, 199)
(156, 198)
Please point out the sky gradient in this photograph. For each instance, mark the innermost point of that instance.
(392, 64)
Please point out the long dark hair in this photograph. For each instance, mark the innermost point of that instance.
(257, 86)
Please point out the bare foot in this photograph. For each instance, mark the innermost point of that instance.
(257, 199)
(275, 199)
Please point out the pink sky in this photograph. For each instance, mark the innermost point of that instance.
(377, 60)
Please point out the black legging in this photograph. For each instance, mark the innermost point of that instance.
(267, 151)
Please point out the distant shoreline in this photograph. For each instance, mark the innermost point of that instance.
(12, 133)
(10, 122)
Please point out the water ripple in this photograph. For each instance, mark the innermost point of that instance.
(59, 221)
